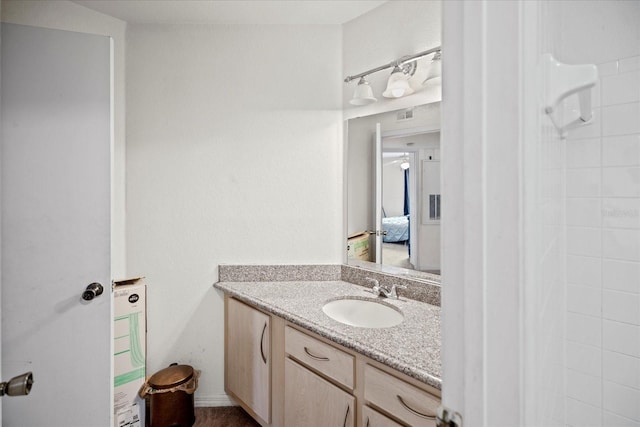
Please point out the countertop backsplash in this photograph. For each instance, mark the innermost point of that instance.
(420, 290)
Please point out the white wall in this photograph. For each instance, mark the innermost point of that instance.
(234, 155)
(66, 15)
(386, 33)
(602, 204)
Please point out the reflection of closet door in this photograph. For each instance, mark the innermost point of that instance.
(378, 192)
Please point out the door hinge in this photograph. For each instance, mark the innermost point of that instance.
(447, 417)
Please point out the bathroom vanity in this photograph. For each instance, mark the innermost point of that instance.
(288, 363)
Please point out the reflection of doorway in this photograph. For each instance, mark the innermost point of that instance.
(397, 198)
(364, 213)
(421, 147)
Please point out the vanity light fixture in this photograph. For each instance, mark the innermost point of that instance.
(397, 84)
(435, 68)
(363, 94)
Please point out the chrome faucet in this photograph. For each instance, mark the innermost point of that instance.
(379, 290)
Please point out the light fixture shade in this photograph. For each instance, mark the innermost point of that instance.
(363, 94)
(435, 68)
(397, 85)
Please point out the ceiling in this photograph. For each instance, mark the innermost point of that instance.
(282, 12)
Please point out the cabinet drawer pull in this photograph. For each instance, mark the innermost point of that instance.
(367, 425)
(413, 411)
(264, 358)
(323, 359)
(346, 416)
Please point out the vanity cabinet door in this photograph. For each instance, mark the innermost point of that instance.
(311, 401)
(373, 418)
(248, 357)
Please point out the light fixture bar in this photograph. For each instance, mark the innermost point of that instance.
(400, 61)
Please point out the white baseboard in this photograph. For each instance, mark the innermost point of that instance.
(213, 401)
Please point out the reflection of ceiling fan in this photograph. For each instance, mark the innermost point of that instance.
(400, 158)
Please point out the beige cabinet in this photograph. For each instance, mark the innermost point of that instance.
(284, 375)
(248, 358)
(311, 401)
(373, 418)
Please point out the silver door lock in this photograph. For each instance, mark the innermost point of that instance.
(93, 290)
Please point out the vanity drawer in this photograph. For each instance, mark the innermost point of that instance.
(331, 362)
(373, 418)
(400, 399)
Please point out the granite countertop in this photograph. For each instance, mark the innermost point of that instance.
(413, 347)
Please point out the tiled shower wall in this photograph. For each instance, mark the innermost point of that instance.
(601, 175)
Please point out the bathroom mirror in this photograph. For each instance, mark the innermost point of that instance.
(393, 191)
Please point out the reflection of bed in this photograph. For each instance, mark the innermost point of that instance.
(397, 229)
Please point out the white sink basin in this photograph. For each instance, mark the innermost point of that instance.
(363, 313)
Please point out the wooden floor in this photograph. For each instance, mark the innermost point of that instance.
(224, 416)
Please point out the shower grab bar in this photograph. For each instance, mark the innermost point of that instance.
(562, 81)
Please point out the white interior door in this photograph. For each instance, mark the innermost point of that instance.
(484, 130)
(56, 163)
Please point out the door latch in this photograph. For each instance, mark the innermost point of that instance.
(448, 418)
(17, 386)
